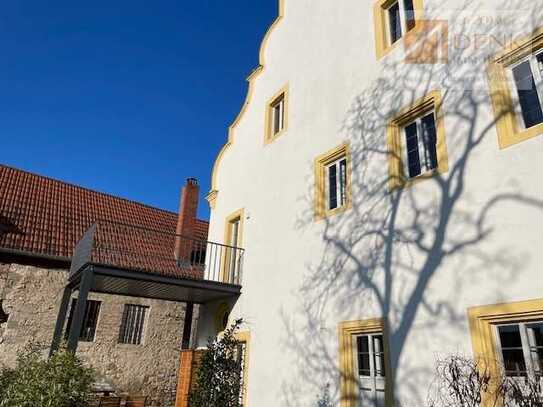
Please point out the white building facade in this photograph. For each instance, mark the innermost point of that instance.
(383, 177)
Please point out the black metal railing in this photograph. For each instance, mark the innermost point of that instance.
(141, 249)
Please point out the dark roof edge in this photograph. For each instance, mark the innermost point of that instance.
(30, 258)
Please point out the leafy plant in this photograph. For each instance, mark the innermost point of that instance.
(60, 381)
(219, 377)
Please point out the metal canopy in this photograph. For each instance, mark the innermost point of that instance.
(112, 280)
(127, 260)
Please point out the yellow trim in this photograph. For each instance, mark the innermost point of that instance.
(320, 181)
(431, 102)
(507, 123)
(481, 321)
(239, 214)
(245, 337)
(268, 136)
(348, 376)
(251, 79)
(382, 45)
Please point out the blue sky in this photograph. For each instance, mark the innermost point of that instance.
(125, 97)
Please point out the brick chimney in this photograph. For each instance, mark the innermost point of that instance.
(188, 208)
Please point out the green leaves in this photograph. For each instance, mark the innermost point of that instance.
(60, 381)
(220, 373)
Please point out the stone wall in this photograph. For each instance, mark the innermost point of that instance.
(32, 298)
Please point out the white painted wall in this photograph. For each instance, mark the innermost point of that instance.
(297, 286)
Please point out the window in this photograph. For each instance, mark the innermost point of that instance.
(276, 116)
(244, 339)
(230, 254)
(521, 349)
(516, 88)
(393, 19)
(420, 155)
(332, 182)
(90, 320)
(416, 139)
(509, 336)
(528, 81)
(363, 363)
(336, 184)
(132, 325)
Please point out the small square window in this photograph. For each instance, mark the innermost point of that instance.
(332, 178)
(276, 116)
(133, 324)
(90, 320)
(416, 139)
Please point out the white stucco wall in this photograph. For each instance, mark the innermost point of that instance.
(302, 277)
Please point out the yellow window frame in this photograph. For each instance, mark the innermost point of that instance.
(380, 22)
(431, 102)
(269, 136)
(481, 322)
(321, 162)
(347, 330)
(507, 123)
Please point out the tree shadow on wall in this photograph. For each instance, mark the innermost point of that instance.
(383, 257)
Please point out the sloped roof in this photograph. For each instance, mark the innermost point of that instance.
(43, 216)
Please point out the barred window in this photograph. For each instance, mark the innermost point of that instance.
(133, 324)
(90, 320)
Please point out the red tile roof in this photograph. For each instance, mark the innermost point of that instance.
(42, 216)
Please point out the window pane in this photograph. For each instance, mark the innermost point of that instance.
(527, 93)
(409, 14)
(412, 144)
(540, 63)
(277, 118)
(394, 22)
(513, 355)
(363, 356)
(430, 141)
(332, 187)
(379, 355)
(343, 182)
(510, 336)
(535, 334)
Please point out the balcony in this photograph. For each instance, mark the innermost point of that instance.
(130, 260)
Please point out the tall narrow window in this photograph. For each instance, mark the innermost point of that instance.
(529, 83)
(276, 115)
(337, 184)
(409, 14)
(363, 363)
(133, 324)
(332, 181)
(90, 320)
(394, 22)
(371, 368)
(231, 254)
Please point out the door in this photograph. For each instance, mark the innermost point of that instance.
(231, 266)
(371, 369)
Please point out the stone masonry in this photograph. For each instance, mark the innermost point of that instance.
(32, 298)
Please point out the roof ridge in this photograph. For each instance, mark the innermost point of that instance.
(106, 194)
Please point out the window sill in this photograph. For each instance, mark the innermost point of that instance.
(270, 140)
(510, 139)
(410, 182)
(333, 212)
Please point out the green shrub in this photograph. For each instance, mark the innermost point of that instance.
(218, 382)
(60, 381)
